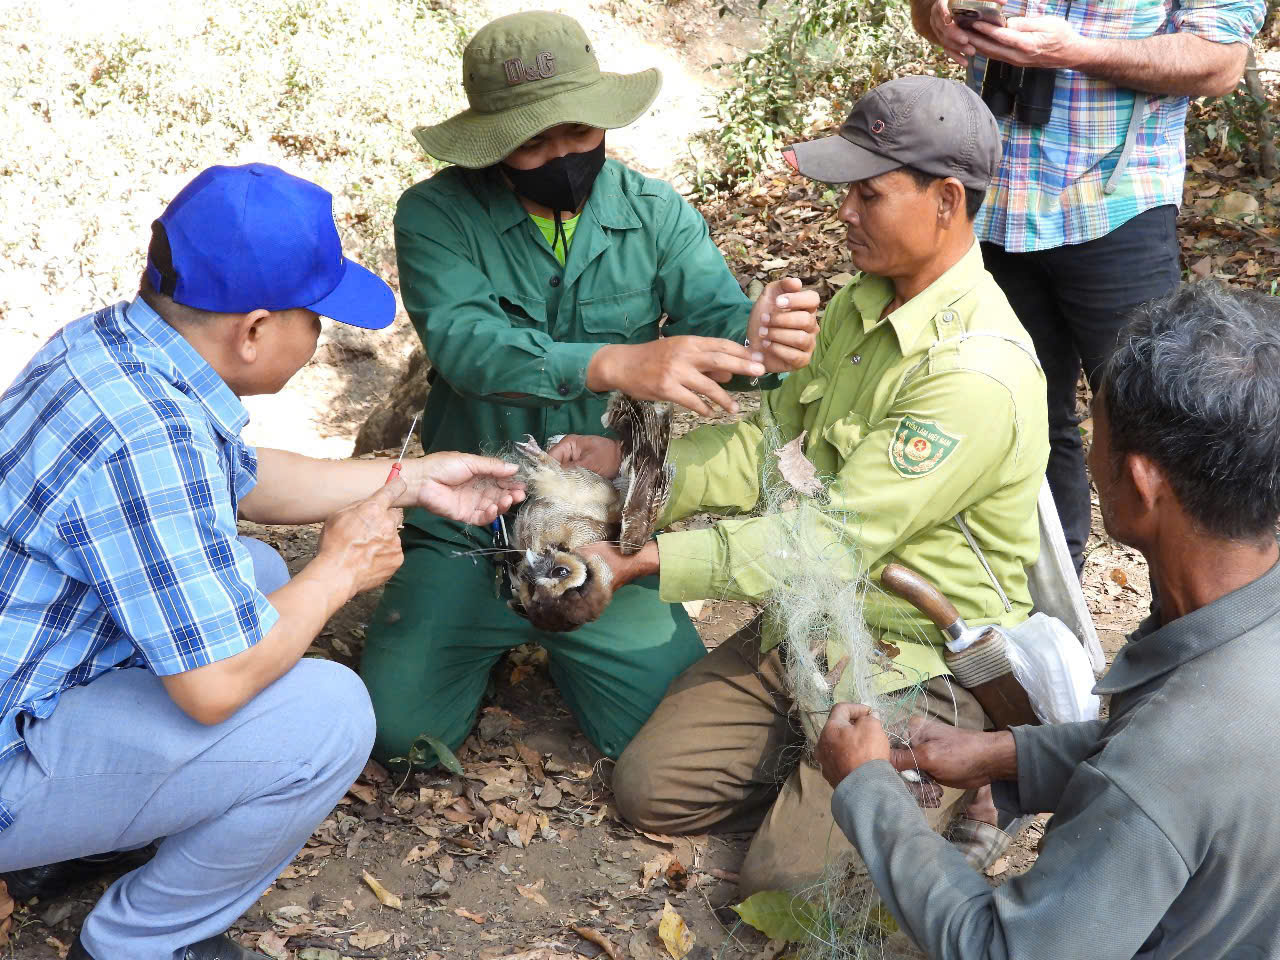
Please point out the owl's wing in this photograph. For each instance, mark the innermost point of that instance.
(645, 478)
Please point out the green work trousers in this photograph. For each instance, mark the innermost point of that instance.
(439, 629)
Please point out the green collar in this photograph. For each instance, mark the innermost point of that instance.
(609, 205)
(912, 319)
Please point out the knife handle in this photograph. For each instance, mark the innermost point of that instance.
(921, 594)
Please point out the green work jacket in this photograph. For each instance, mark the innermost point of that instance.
(935, 411)
(498, 314)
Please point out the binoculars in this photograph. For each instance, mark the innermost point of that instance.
(1026, 92)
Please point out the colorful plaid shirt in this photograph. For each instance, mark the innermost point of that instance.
(121, 466)
(1049, 190)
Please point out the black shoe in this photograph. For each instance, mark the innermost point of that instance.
(215, 948)
(55, 879)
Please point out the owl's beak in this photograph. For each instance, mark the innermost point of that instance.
(531, 558)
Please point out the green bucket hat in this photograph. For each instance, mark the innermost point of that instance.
(528, 72)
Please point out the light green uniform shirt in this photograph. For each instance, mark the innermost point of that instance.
(935, 411)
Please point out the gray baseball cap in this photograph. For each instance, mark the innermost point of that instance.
(937, 126)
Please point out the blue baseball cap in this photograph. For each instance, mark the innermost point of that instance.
(237, 239)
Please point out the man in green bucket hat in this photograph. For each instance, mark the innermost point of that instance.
(536, 271)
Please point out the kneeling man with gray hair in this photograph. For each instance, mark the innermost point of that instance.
(1165, 811)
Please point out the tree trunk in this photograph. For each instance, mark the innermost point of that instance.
(1267, 161)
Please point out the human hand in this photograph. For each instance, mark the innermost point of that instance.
(624, 568)
(1050, 42)
(362, 540)
(954, 39)
(462, 486)
(783, 327)
(677, 369)
(599, 454)
(957, 758)
(852, 736)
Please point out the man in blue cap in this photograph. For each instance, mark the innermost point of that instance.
(151, 680)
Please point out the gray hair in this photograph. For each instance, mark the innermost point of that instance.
(1194, 385)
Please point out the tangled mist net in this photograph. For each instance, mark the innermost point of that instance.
(817, 601)
(816, 607)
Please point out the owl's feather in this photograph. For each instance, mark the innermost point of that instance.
(644, 479)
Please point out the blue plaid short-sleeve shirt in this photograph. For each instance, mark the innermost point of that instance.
(1050, 188)
(121, 467)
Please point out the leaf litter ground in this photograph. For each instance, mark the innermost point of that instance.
(523, 856)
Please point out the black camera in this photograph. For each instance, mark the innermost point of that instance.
(1026, 92)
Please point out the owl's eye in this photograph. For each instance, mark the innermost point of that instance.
(559, 573)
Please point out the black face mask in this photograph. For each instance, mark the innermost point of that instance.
(561, 184)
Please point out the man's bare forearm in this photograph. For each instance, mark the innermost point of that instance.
(920, 10)
(1175, 64)
(1000, 760)
(293, 488)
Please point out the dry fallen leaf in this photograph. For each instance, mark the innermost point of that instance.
(62, 949)
(444, 867)
(674, 932)
(531, 759)
(659, 838)
(677, 876)
(654, 868)
(530, 892)
(316, 852)
(385, 896)
(274, 945)
(796, 468)
(500, 790)
(526, 826)
(520, 673)
(1118, 577)
(997, 868)
(592, 935)
(466, 914)
(363, 792)
(504, 813)
(551, 797)
(420, 852)
(1238, 203)
(370, 938)
(6, 912)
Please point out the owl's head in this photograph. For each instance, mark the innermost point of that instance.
(560, 590)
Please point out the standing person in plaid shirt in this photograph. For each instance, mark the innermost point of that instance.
(1079, 225)
(150, 675)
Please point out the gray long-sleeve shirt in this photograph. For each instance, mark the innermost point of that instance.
(1165, 840)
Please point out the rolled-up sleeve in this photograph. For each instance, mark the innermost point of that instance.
(469, 337)
(157, 542)
(1221, 21)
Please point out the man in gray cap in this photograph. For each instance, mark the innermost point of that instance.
(925, 404)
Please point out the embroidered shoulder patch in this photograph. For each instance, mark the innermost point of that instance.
(918, 447)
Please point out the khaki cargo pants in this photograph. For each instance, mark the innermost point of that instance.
(722, 754)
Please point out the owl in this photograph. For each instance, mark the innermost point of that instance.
(553, 585)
